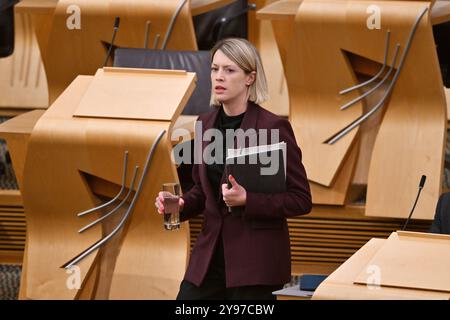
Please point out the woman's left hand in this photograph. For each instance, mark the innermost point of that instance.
(236, 195)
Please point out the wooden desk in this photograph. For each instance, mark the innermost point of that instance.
(280, 10)
(202, 6)
(440, 12)
(16, 132)
(44, 6)
(312, 48)
(340, 284)
(33, 6)
(287, 9)
(66, 153)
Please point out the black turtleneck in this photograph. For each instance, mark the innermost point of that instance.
(215, 170)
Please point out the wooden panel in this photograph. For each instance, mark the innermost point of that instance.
(337, 193)
(339, 285)
(262, 35)
(315, 100)
(403, 249)
(71, 52)
(203, 6)
(23, 83)
(440, 12)
(314, 94)
(280, 10)
(47, 6)
(16, 132)
(411, 139)
(144, 91)
(75, 148)
(282, 15)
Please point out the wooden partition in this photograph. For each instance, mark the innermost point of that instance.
(72, 37)
(327, 46)
(262, 35)
(23, 83)
(75, 162)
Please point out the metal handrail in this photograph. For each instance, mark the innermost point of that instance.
(379, 84)
(102, 241)
(386, 51)
(147, 33)
(124, 178)
(172, 23)
(362, 118)
(116, 208)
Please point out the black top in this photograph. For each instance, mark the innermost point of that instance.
(215, 170)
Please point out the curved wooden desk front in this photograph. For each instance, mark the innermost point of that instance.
(325, 49)
(70, 163)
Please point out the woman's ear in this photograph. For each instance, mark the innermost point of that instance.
(251, 78)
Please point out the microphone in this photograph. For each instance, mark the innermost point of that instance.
(421, 184)
(116, 27)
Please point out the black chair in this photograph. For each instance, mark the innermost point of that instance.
(228, 21)
(7, 27)
(441, 222)
(192, 61)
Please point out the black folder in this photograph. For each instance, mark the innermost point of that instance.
(260, 169)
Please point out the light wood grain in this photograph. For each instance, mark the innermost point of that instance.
(202, 6)
(76, 149)
(265, 39)
(17, 133)
(144, 91)
(316, 73)
(23, 83)
(401, 250)
(40, 6)
(73, 52)
(337, 193)
(339, 285)
(411, 139)
(440, 13)
(279, 10)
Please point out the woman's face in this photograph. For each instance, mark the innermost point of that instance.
(229, 82)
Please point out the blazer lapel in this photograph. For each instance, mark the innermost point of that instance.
(208, 123)
(249, 121)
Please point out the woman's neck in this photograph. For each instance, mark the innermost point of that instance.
(234, 109)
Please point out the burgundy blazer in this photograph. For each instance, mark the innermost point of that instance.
(256, 244)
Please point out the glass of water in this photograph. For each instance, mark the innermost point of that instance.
(171, 194)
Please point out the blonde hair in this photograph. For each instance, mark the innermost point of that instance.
(246, 57)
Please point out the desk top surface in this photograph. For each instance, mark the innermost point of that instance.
(22, 124)
(47, 6)
(287, 9)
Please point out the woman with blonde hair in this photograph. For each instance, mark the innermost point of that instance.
(245, 255)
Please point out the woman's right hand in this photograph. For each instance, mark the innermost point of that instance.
(159, 203)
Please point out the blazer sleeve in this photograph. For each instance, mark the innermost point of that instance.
(194, 199)
(297, 198)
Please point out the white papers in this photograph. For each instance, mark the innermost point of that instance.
(258, 150)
